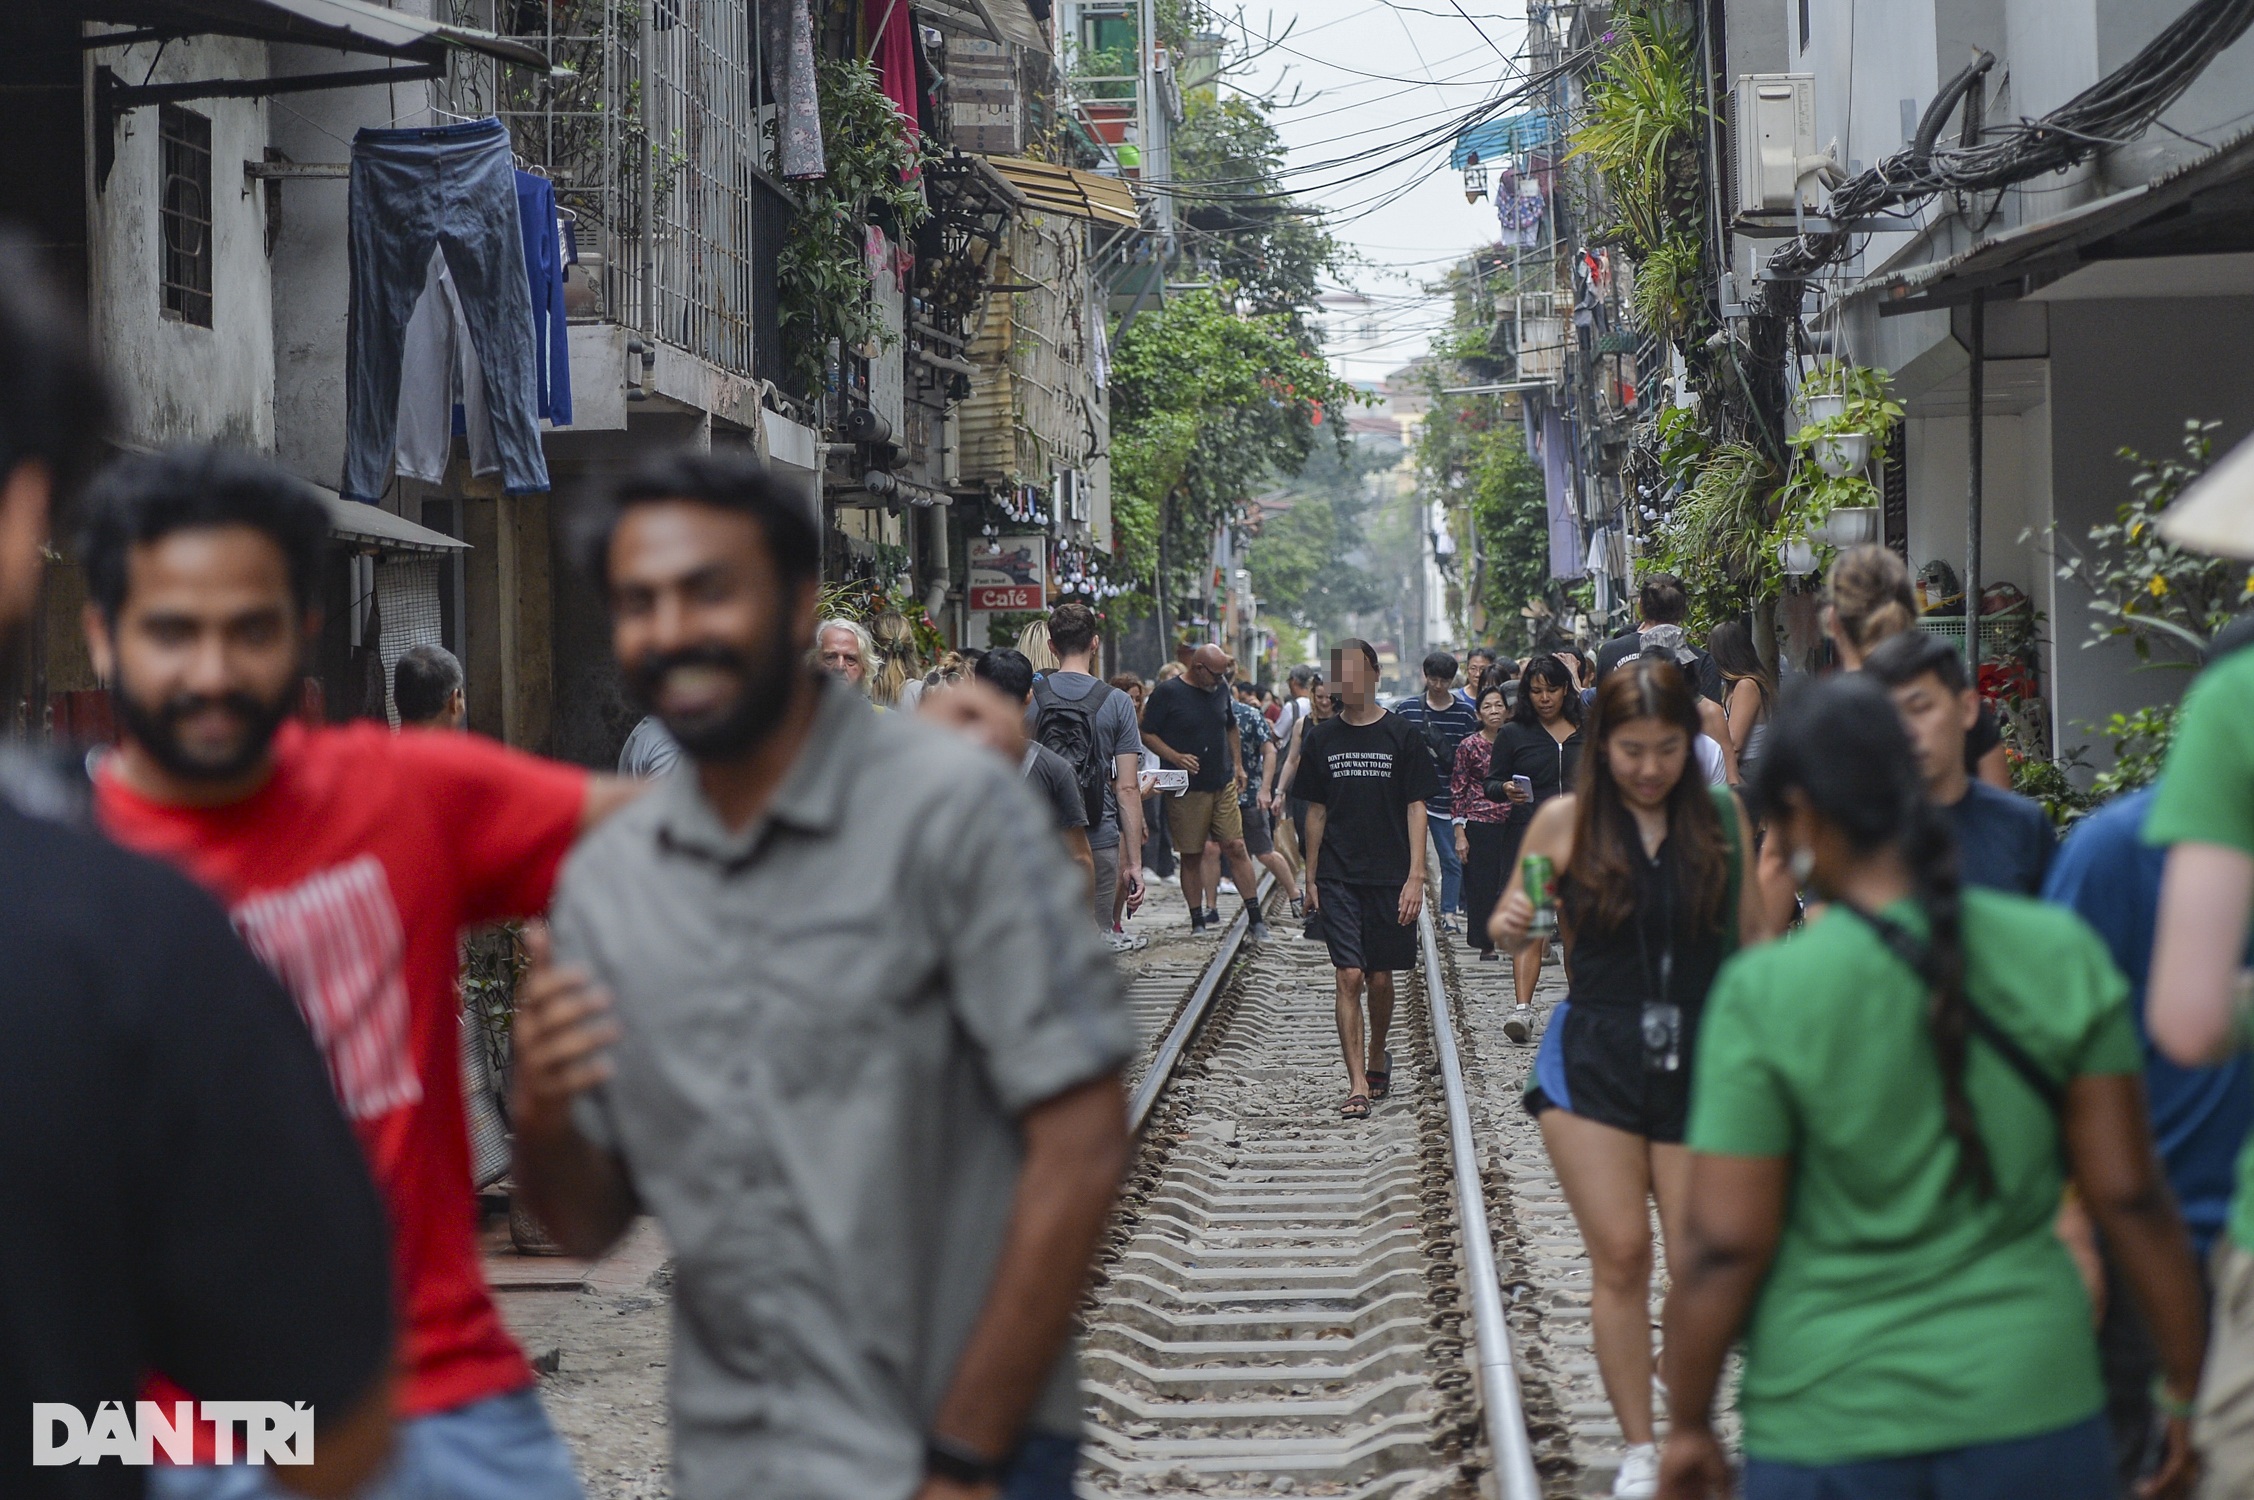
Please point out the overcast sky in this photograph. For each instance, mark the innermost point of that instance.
(1371, 75)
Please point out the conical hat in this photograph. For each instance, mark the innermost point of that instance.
(2216, 514)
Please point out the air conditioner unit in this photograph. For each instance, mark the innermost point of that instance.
(1773, 143)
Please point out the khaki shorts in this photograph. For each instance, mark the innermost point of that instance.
(2222, 1429)
(1194, 817)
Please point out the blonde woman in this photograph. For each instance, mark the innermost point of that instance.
(900, 669)
(1033, 640)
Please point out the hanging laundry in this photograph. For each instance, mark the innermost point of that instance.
(544, 272)
(441, 387)
(408, 189)
(892, 52)
(787, 37)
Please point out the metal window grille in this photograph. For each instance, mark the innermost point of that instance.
(184, 214)
(715, 207)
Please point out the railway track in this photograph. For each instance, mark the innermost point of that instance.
(1289, 1302)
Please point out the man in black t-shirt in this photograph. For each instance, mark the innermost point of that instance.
(1366, 776)
(1662, 604)
(1190, 724)
(178, 1188)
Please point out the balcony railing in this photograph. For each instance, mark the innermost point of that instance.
(717, 216)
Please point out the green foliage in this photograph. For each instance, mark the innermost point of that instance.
(2146, 588)
(1511, 512)
(1718, 539)
(1273, 250)
(1839, 377)
(1642, 124)
(2140, 744)
(2140, 748)
(1206, 405)
(1302, 561)
(823, 270)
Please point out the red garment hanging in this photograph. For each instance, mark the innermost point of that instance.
(892, 52)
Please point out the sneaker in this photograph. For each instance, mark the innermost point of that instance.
(1258, 932)
(1520, 1028)
(1228, 886)
(1197, 921)
(1638, 1478)
(1128, 942)
(1490, 957)
(1213, 916)
(1298, 908)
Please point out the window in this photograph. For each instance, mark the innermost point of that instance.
(184, 215)
(1803, 25)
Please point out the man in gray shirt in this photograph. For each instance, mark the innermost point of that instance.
(1054, 716)
(819, 1003)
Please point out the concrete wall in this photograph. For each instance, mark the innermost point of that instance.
(178, 381)
(2129, 374)
(312, 268)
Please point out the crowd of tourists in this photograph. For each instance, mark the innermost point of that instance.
(1943, 1119)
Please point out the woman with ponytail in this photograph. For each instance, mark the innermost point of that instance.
(1651, 864)
(1886, 1108)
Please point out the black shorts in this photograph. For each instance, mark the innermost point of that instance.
(1257, 840)
(1362, 927)
(1595, 1062)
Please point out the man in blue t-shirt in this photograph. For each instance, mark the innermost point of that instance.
(2108, 875)
(1441, 720)
(2004, 841)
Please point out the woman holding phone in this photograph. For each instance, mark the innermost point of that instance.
(1534, 757)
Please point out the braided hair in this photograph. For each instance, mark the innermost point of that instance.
(1839, 747)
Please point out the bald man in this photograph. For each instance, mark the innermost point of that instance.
(1189, 724)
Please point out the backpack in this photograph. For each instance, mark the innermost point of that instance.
(1068, 727)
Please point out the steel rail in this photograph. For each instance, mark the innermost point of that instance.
(1513, 1453)
(1185, 1027)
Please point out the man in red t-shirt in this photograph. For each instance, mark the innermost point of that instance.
(349, 859)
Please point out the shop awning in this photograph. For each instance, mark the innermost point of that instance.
(1001, 20)
(348, 25)
(372, 525)
(1067, 190)
(2204, 207)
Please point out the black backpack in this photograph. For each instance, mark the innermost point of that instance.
(1068, 726)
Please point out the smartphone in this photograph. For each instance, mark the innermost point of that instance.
(1524, 784)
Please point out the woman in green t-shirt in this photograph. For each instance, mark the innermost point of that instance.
(1881, 1109)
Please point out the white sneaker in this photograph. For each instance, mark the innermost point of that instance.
(1128, 942)
(1638, 1478)
(1228, 886)
(1520, 1026)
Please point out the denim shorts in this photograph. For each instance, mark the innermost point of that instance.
(501, 1448)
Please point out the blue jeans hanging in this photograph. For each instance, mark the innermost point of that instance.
(452, 187)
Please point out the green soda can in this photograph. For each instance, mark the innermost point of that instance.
(1540, 875)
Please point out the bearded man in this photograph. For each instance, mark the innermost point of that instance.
(820, 1005)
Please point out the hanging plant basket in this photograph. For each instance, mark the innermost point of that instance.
(1841, 453)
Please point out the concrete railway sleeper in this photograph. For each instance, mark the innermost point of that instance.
(1287, 1303)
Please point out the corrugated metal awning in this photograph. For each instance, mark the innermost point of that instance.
(358, 521)
(349, 25)
(2203, 206)
(1002, 20)
(1067, 190)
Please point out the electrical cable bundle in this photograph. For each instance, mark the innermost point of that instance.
(2109, 112)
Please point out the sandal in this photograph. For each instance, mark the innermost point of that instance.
(1381, 1079)
(1356, 1107)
